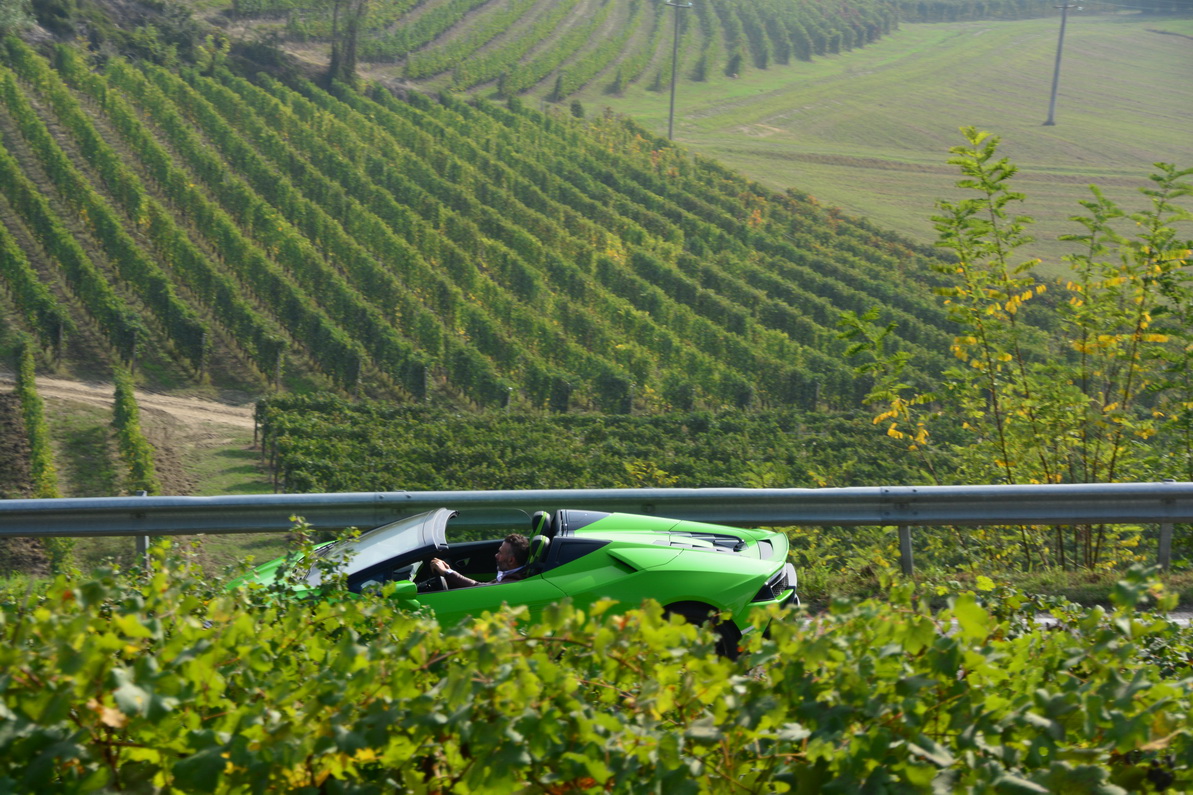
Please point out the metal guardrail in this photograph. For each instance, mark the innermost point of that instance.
(899, 506)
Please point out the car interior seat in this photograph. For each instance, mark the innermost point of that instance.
(537, 558)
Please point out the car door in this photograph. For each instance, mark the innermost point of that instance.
(591, 569)
(453, 606)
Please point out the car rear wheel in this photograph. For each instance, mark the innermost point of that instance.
(698, 613)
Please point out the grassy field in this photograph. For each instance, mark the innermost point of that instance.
(870, 130)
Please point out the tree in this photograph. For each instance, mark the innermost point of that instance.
(15, 16)
(345, 29)
(1100, 396)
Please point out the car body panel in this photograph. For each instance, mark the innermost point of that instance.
(648, 558)
(452, 607)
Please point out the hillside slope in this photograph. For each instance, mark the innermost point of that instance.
(555, 47)
(212, 229)
(870, 131)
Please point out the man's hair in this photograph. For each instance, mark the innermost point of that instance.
(520, 546)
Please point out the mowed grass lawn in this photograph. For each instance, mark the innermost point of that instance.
(870, 130)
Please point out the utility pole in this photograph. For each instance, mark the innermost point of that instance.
(1060, 45)
(674, 66)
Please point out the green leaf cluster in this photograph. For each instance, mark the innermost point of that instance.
(1095, 389)
(326, 444)
(42, 469)
(959, 10)
(41, 452)
(161, 681)
(135, 450)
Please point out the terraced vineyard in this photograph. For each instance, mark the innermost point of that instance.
(472, 254)
(560, 46)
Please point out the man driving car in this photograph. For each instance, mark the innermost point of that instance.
(511, 564)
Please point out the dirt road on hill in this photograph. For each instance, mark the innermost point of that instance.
(188, 410)
(186, 432)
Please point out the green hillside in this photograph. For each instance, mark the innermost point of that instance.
(557, 47)
(864, 128)
(207, 213)
(868, 131)
(208, 228)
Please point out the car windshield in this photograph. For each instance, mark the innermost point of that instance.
(385, 542)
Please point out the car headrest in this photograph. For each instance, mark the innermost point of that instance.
(538, 549)
(540, 522)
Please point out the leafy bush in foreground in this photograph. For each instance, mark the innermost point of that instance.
(165, 683)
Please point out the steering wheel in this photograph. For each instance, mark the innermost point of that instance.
(431, 583)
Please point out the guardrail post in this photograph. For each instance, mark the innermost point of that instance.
(143, 541)
(905, 555)
(1164, 555)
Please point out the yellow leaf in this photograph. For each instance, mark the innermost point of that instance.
(108, 716)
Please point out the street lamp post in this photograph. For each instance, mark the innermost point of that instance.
(1060, 45)
(674, 66)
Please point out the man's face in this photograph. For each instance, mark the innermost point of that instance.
(505, 557)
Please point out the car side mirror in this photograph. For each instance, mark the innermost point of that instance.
(402, 590)
(403, 594)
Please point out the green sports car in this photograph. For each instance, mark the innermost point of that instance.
(693, 569)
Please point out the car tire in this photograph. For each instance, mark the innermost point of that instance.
(698, 613)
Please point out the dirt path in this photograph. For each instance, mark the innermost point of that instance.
(187, 410)
(186, 432)
(195, 440)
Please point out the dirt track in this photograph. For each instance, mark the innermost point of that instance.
(187, 410)
(182, 430)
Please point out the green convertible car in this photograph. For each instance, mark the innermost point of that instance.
(693, 569)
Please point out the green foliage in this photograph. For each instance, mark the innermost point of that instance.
(121, 325)
(182, 686)
(563, 48)
(44, 473)
(447, 251)
(41, 453)
(960, 10)
(1098, 397)
(136, 270)
(262, 341)
(41, 310)
(213, 53)
(15, 16)
(326, 444)
(135, 450)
